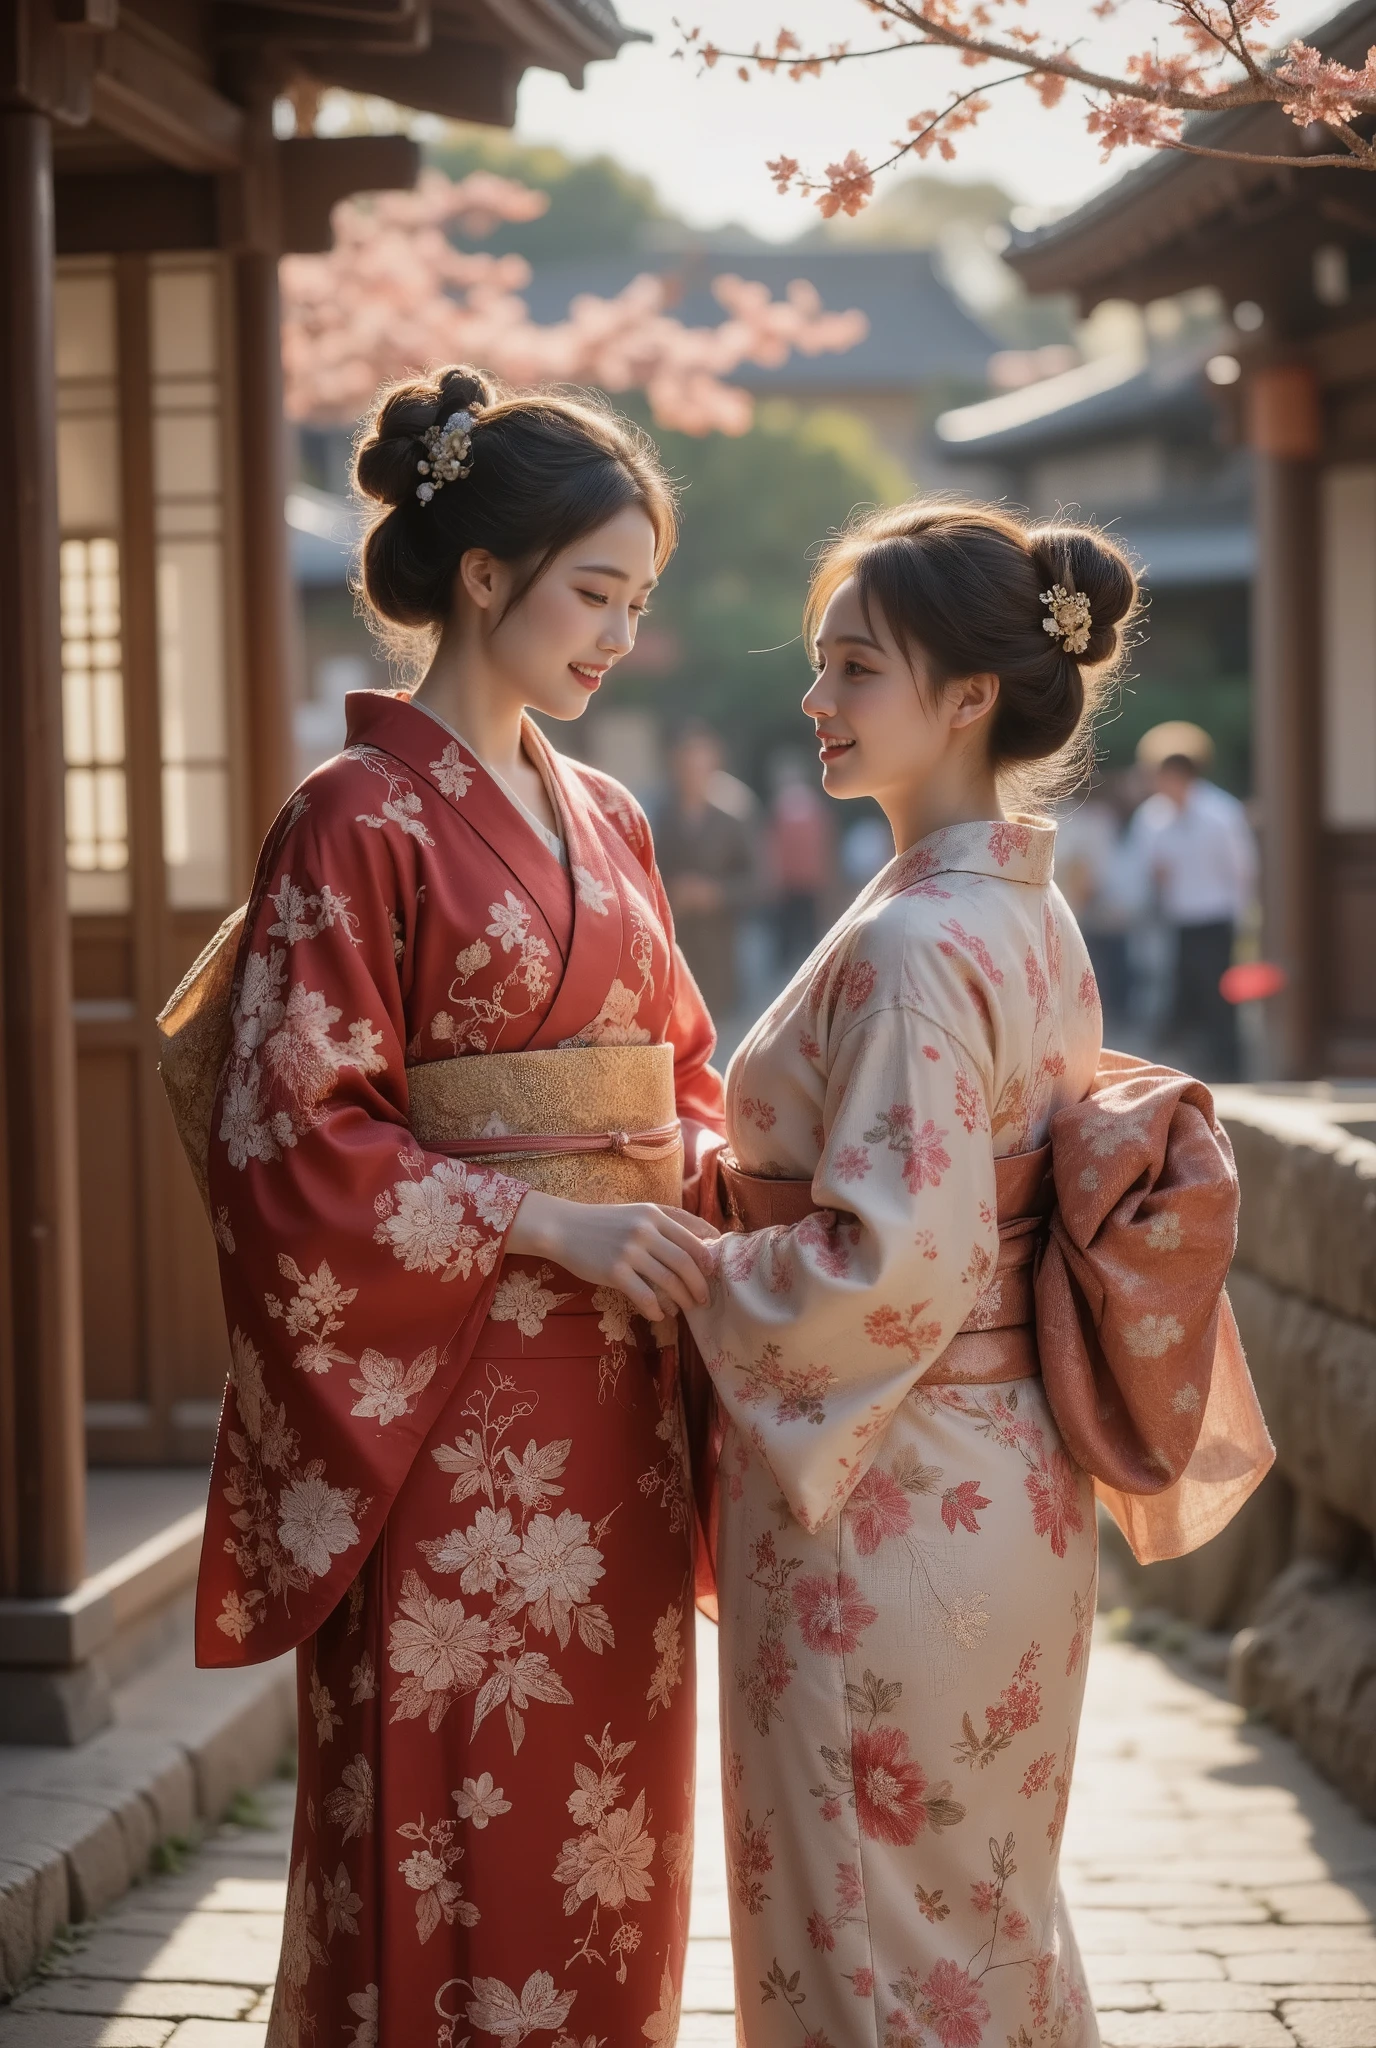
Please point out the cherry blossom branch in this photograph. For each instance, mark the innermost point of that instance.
(394, 293)
(1144, 104)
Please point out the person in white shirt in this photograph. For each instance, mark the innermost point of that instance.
(1194, 841)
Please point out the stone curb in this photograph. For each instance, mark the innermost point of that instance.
(79, 1826)
(1308, 1201)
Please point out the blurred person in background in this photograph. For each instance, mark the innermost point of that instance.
(866, 847)
(705, 840)
(1103, 880)
(1195, 844)
(800, 853)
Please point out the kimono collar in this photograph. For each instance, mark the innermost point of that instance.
(1017, 849)
(586, 918)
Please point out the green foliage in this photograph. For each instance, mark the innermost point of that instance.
(596, 207)
(917, 213)
(169, 1855)
(726, 618)
(246, 1810)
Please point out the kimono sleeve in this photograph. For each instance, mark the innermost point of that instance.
(815, 1333)
(356, 1267)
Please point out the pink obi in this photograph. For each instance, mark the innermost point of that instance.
(998, 1340)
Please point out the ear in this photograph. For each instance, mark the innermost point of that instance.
(480, 577)
(972, 699)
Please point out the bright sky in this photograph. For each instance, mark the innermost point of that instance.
(704, 139)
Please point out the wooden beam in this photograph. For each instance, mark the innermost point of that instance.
(252, 27)
(318, 173)
(1284, 426)
(462, 80)
(35, 947)
(144, 95)
(45, 66)
(363, 12)
(129, 211)
(264, 540)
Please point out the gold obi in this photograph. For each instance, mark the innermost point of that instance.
(594, 1123)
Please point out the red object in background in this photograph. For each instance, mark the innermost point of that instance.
(1251, 980)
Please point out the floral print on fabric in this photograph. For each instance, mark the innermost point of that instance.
(455, 1481)
(906, 1572)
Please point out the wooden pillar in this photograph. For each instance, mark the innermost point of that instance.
(44, 1307)
(266, 557)
(1284, 431)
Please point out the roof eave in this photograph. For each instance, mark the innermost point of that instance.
(1155, 203)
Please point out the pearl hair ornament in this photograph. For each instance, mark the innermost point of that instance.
(446, 457)
(1069, 617)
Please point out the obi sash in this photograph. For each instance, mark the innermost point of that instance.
(593, 1123)
(998, 1340)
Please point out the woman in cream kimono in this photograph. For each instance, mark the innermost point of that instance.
(906, 1551)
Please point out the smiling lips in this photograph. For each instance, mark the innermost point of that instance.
(588, 676)
(831, 746)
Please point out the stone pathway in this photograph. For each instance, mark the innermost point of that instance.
(1223, 1897)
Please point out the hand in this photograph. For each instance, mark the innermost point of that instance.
(656, 1256)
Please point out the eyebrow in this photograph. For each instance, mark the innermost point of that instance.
(854, 640)
(606, 569)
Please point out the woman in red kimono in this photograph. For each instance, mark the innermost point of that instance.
(450, 1470)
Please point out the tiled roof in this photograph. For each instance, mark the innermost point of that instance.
(918, 328)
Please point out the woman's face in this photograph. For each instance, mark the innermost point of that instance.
(880, 726)
(554, 647)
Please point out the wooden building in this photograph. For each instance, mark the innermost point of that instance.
(1293, 253)
(144, 653)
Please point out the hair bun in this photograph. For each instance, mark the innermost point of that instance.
(385, 463)
(1083, 560)
(461, 389)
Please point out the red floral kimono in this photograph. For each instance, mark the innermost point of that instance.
(454, 1481)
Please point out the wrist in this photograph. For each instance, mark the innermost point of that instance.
(534, 1230)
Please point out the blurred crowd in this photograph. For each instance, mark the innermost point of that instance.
(1158, 863)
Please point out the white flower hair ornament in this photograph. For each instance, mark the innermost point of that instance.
(446, 457)
(1070, 617)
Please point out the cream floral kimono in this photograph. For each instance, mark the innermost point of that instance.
(906, 1574)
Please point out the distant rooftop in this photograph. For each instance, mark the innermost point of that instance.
(918, 328)
(1113, 394)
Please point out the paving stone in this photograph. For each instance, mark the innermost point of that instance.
(1332, 2023)
(204, 1959)
(79, 2030)
(219, 2034)
(33, 1905)
(1281, 1994)
(1194, 2030)
(1239, 1940)
(708, 1980)
(134, 1917)
(1204, 1996)
(1299, 1904)
(205, 1890)
(1125, 1997)
(1296, 1966)
(707, 2030)
(91, 1842)
(148, 2001)
(1141, 1963)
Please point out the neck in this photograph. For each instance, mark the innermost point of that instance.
(462, 687)
(962, 798)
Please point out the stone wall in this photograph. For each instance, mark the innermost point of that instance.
(1294, 1576)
